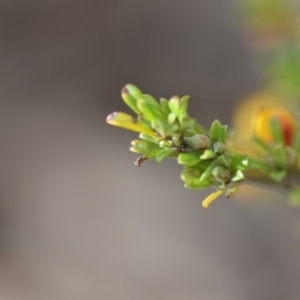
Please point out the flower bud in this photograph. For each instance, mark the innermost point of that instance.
(199, 141)
(221, 174)
(219, 147)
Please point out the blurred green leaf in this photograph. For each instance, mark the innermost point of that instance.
(189, 159)
(216, 131)
(164, 153)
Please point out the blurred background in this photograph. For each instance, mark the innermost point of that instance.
(77, 219)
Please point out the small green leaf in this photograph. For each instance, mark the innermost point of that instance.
(223, 134)
(130, 95)
(278, 175)
(237, 176)
(208, 154)
(216, 131)
(260, 166)
(171, 118)
(183, 105)
(262, 144)
(276, 130)
(224, 160)
(189, 159)
(279, 154)
(164, 153)
(149, 110)
(174, 105)
(239, 162)
(164, 103)
(208, 171)
(148, 138)
(195, 184)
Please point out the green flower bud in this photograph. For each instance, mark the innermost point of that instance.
(218, 147)
(142, 146)
(199, 141)
(190, 173)
(231, 191)
(221, 174)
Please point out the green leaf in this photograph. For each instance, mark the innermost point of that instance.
(276, 130)
(262, 144)
(260, 166)
(280, 156)
(149, 110)
(189, 159)
(224, 160)
(208, 154)
(237, 176)
(164, 103)
(195, 184)
(239, 162)
(278, 175)
(130, 95)
(183, 105)
(148, 138)
(208, 171)
(174, 105)
(190, 173)
(216, 131)
(171, 118)
(164, 153)
(223, 134)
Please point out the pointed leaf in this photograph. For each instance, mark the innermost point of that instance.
(216, 131)
(183, 105)
(164, 153)
(208, 171)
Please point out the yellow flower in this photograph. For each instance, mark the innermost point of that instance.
(252, 118)
(261, 124)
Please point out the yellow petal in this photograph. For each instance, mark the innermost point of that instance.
(208, 200)
(126, 121)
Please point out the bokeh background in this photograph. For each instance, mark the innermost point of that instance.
(77, 219)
